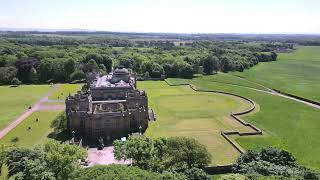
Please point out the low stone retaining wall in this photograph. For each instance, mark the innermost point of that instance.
(298, 97)
(225, 134)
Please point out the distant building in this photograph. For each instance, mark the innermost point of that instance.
(112, 107)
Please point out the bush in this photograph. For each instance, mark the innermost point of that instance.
(272, 162)
(15, 81)
(196, 174)
(124, 173)
(233, 177)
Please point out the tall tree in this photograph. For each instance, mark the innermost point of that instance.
(210, 64)
(62, 158)
(107, 62)
(69, 67)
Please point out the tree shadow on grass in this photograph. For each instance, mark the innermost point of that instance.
(61, 136)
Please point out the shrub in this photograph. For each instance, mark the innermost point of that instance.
(272, 162)
(15, 81)
(196, 174)
(124, 173)
(233, 177)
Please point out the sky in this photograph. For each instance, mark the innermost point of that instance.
(174, 16)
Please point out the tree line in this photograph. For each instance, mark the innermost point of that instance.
(21, 62)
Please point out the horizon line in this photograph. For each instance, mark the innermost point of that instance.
(52, 30)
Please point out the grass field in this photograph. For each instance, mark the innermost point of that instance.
(183, 112)
(226, 78)
(14, 101)
(64, 90)
(288, 124)
(38, 133)
(296, 73)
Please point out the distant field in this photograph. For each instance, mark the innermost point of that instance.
(183, 112)
(296, 73)
(288, 124)
(14, 101)
(64, 90)
(38, 133)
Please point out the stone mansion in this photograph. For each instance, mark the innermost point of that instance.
(111, 108)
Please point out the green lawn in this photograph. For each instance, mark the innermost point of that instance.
(38, 133)
(15, 100)
(288, 124)
(226, 78)
(296, 73)
(64, 90)
(181, 111)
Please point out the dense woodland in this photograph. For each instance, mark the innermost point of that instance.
(44, 58)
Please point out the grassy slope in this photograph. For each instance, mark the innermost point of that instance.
(64, 90)
(38, 133)
(232, 80)
(14, 101)
(182, 112)
(290, 125)
(296, 73)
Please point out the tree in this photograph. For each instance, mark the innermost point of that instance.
(271, 161)
(33, 76)
(277, 156)
(167, 67)
(274, 56)
(35, 169)
(156, 70)
(53, 161)
(69, 67)
(173, 153)
(59, 124)
(146, 67)
(93, 56)
(185, 153)
(7, 74)
(24, 66)
(3, 62)
(210, 63)
(126, 62)
(62, 158)
(186, 71)
(107, 62)
(226, 63)
(91, 66)
(102, 68)
(18, 157)
(124, 173)
(77, 75)
(3, 155)
(139, 149)
(46, 70)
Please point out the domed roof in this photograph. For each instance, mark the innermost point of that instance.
(121, 71)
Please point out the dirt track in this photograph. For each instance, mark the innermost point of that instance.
(37, 106)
